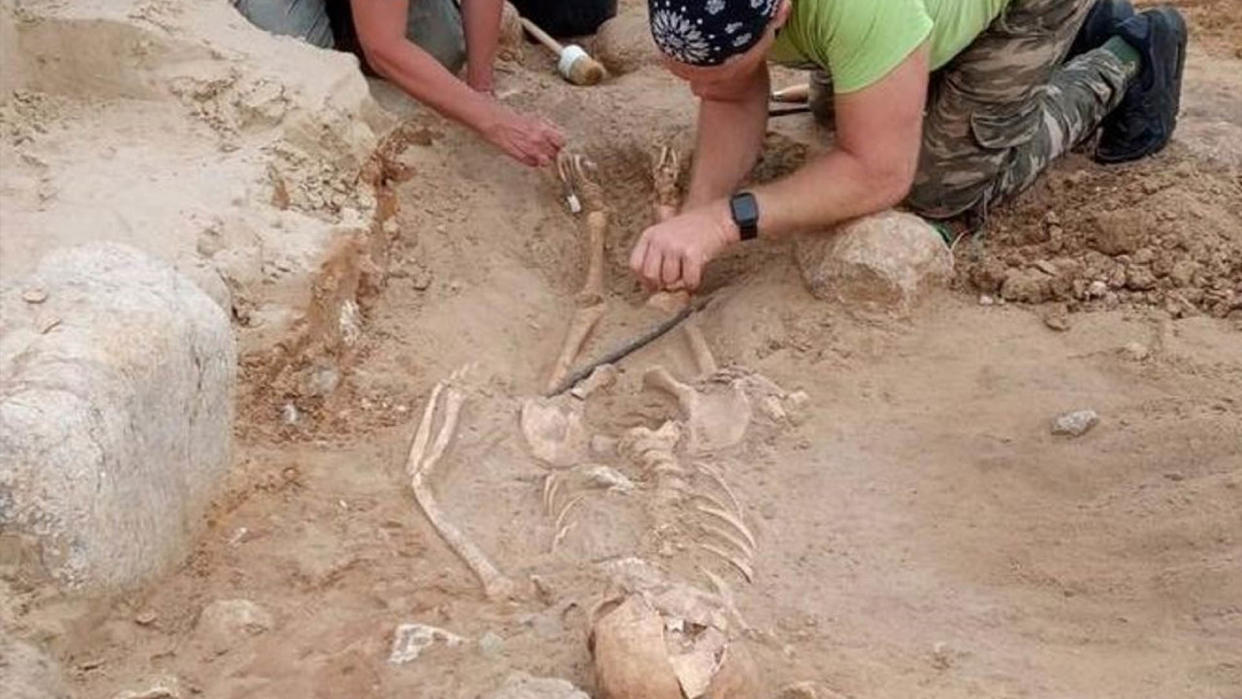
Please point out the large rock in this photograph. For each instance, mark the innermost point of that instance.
(884, 263)
(116, 405)
(624, 44)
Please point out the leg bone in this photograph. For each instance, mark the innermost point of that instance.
(495, 584)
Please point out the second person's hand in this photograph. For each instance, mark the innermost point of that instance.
(528, 139)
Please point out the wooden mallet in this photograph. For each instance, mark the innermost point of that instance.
(573, 62)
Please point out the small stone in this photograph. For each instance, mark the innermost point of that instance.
(491, 645)
(34, 295)
(986, 300)
(1075, 423)
(420, 277)
(1175, 476)
(1056, 317)
(1135, 351)
(1097, 289)
(409, 640)
(145, 618)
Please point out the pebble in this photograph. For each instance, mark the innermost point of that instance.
(1097, 289)
(1075, 423)
(986, 300)
(420, 278)
(34, 295)
(1056, 317)
(1135, 351)
(145, 618)
(409, 640)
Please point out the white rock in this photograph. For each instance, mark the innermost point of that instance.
(115, 423)
(409, 640)
(1076, 423)
(520, 685)
(225, 623)
(879, 264)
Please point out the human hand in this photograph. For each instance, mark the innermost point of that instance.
(528, 139)
(671, 254)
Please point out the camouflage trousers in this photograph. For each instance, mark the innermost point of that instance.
(1008, 105)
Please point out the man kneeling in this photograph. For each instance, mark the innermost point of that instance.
(949, 105)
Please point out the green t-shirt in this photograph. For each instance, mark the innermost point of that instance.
(860, 41)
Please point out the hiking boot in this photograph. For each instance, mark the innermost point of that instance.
(1101, 24)
(1144, 121)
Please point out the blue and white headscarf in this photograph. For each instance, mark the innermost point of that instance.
(708, 32)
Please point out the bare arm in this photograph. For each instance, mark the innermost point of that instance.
(879, 133)
(730, 134)
(381, 30)
(481, 20)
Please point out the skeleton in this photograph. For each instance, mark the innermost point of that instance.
(656, 633)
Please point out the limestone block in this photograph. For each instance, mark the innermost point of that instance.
(879, 264)
(116, 406)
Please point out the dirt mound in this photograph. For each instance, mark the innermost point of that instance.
(1167, 233)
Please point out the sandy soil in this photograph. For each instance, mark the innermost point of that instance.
(920, 531)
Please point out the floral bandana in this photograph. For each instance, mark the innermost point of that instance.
(708, 32)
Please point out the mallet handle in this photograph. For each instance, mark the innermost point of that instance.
(542, 36)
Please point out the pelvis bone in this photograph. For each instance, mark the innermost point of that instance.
(716, 412)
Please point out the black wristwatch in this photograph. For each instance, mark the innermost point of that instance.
(745, 210)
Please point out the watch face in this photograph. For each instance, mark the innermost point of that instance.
(745, 209)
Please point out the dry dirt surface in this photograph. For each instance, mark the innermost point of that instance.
(919, 530)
